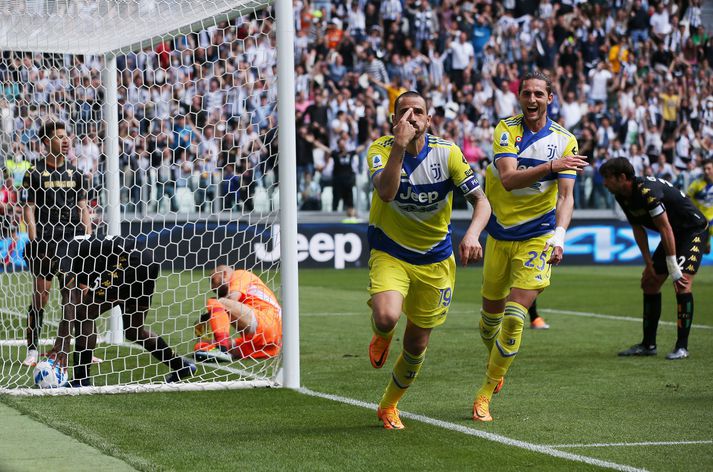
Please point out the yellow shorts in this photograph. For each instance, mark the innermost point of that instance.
(427, 289)
(515, 264)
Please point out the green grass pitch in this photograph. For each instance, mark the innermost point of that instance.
(567, 388)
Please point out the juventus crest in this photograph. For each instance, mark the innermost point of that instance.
(436, 170)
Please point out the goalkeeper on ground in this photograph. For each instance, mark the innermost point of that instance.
(99, 274)
(246, 303)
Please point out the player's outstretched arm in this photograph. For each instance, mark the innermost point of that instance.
(514, 178)
(470, 249)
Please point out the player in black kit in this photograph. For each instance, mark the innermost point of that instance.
(655, 204)
(99, 274)
(55, 210)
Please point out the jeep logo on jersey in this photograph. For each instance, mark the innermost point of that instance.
(436, 170)
(504, 139)
(420, 197)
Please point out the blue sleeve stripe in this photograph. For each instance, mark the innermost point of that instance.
(504, 154)
(566, 176)
(377, 171)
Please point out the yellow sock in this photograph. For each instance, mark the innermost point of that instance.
(404, 373)
(505, 348)
(378, 332)
(489, 328)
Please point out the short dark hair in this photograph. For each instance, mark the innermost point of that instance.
(410, 93)
(705, 162)
(49, 129)
(617, 166)
(536, 76)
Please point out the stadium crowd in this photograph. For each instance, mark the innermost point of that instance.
(197, 112)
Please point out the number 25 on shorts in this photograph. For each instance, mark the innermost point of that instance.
(537, 260)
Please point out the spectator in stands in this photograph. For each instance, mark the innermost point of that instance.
(10, 217)
(344, 163)
(611, 60)
(310, 193)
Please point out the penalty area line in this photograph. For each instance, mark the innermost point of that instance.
(547, 450)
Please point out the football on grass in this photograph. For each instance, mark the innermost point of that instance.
(47, 374)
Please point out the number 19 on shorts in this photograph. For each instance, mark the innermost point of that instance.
(446, 296)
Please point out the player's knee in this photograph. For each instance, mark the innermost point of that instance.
(385, 317)
(650, 284)
(513, 325)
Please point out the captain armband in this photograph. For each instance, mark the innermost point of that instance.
(469, 185)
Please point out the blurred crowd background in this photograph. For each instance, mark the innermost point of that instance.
(198, 111)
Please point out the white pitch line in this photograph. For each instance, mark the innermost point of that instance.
(476, 308)
(612, 317)
(548, 450)
(651, 443)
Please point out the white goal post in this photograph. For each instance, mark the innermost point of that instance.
(173, 109)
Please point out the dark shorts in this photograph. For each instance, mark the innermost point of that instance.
(690, 249)
(41, 257)
(131, 288)
(43, 254)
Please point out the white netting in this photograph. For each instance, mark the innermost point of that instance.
(101, 26)
(197, 159)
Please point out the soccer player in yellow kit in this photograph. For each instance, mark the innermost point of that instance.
(411, 265)
(701, 192)
(529, 185)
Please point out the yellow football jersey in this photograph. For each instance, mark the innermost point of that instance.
(528, 212)
(701, 192)
(415, 226)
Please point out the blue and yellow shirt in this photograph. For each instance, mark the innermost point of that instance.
(415, 226)
(522, 214)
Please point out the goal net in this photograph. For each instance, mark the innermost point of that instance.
(171, 111)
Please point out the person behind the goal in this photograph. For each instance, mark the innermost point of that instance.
(99, 274)
(55, 210)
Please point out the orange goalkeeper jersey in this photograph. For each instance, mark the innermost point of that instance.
(253, 291)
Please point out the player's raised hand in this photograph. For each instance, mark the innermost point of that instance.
(470, 249)
(575, 162)
(404, 131)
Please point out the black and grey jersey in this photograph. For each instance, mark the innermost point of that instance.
(56, 193)
(651, 197)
